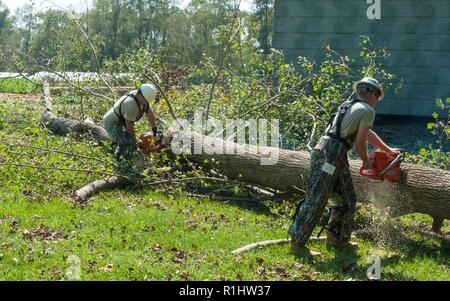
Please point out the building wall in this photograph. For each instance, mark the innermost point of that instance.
(415, 32)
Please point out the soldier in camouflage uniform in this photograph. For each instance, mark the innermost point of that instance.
(119, 123)
(330, 170)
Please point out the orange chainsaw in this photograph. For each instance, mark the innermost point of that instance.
(384, 167)
(150, 144)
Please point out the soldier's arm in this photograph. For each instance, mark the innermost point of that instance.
(130, 129)
(361, 144)
(376, 141)
(151, 118)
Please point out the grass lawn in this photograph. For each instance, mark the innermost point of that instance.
(146, 234)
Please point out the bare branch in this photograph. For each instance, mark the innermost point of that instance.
(222, 62)
(156, 83)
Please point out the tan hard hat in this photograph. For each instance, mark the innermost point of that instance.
(371, 82)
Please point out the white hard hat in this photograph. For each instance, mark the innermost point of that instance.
(148, 91)
(371, 82)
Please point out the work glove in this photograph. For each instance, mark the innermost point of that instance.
(159, 136)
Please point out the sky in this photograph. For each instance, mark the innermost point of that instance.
(81, 5)
(77, 4)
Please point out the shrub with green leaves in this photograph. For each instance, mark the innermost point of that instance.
(301, 95)
(437, 156)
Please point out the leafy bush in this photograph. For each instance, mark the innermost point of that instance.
(437, 156)
(300, 95)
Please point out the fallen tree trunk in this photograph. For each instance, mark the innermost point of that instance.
(62, 126)
(423, 189)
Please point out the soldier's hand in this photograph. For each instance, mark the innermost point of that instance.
(159, 136)
(367, 165)
(394, 151)
(140, 144)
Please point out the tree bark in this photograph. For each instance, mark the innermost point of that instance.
(83, 194)
(422, 189)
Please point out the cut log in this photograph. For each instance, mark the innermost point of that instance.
(425, 190)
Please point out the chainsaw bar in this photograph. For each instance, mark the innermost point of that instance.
(398, 159)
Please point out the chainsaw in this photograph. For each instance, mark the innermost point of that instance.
(150, 144)
(384, 166)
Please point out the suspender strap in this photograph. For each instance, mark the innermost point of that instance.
(141, 112)
(336, 133)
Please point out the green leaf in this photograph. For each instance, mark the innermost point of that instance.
(430, 126)
(423, 152)
(435, 115)
(440, 104)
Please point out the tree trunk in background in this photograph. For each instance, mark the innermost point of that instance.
(116, 8)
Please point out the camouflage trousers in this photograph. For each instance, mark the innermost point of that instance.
(330, 176)
(123, 147)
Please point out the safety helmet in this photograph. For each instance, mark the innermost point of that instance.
(371, 83)
(148, 91)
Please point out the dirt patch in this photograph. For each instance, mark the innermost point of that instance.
(15, 98)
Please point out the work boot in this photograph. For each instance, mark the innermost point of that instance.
(334, 242)
(299, 249)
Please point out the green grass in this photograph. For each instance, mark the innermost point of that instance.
(147, 234)
(18, 85)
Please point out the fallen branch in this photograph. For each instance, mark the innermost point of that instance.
(84, 193)
(266, 243)
(62, 126)
(104, 162)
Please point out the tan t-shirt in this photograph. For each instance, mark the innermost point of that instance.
(360, 113)
(129, 110)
